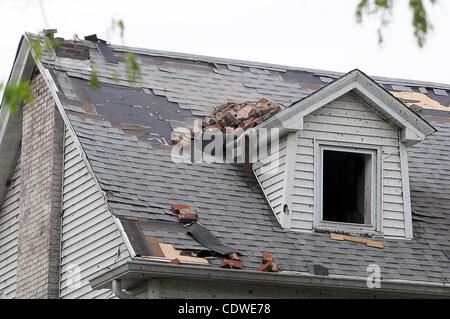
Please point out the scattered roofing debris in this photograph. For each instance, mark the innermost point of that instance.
(170, 252)
(207, 239)
(104, 49)
(269, 263)
(232, 118)
(175, 261)
(232, 264)
(318, 270)
(368, 242)
(94, 38)
(153, 246)
(185, 213)
(240, 116)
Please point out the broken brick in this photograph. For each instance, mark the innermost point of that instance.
(212, 129)
(249, 123)
(270, 266)
(267, 257)
(231, 264)
(234, 256)
(269, 263)
(231, 119)
(263, 101)
(239, 116)
(175, 261)
(177, 208)
(187, 215)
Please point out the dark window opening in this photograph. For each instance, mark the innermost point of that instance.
(346, 187)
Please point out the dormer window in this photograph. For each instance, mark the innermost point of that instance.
(345, 164)
(346, 191)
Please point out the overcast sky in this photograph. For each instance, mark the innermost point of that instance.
(321, 34)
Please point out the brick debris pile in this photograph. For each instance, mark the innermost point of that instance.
(234, 118)
(241, 116)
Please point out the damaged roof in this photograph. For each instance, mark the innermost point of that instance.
(125, 130)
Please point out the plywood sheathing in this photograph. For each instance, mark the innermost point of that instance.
(419, 99)
(368, 242)
(171, 253)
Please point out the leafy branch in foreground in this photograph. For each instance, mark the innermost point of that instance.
(15, 95)
(420, 20)
(132, 67)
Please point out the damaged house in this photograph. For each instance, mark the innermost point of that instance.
(352, 200)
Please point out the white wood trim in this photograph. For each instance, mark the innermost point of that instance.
(376, 199)
(291, 153)
(406, 192)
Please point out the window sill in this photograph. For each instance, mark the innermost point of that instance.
(347, 229)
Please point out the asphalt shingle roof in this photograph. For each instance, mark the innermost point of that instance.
(121, 128)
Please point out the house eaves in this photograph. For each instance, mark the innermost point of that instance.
(414, 128)
(11, 124)
(134, 273)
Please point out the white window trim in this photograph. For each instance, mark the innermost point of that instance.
(375, 228)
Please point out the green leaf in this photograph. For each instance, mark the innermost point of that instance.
(94, 82)
(132, 67)
(115, 77)
(16, 95)
(36, 46)
(420, 21)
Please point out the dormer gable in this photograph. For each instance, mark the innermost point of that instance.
(342, 161)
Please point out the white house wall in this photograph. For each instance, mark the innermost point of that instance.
(9, 224)
(91, 240)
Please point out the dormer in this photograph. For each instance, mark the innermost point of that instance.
(342, 161)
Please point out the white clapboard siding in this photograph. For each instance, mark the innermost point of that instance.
(347, 119)
(9, 224)
(91, 240)
(270, 171)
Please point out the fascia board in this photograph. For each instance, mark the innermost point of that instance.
(139, 270)
(11, 124)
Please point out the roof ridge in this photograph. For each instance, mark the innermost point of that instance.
(272, 66)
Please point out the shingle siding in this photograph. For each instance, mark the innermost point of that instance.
(91, 240)
(9, 223)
